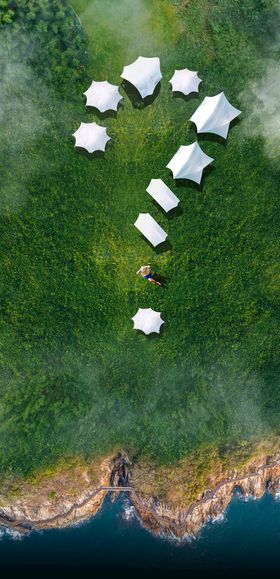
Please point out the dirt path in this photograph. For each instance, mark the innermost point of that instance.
(26, 524)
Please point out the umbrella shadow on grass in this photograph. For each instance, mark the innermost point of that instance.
(187, 98)
(187, 183)
(176, 212)
(153, 335)
(211, 138)
(135, 98)
(161, 248)
(90, 156)
(107, 114)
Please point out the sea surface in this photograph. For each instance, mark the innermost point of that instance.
(246, 538)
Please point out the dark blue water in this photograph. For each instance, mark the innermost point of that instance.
(247, 538)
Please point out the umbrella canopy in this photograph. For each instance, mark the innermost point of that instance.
(214, 115)
(144, 73)
(189, 162)
(149, 227)
(147, 320)
(91, 137)
(103, 96)
(185, 81)
(162, 194)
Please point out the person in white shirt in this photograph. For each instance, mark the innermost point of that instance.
(146, 272)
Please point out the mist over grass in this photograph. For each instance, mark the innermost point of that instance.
(75, 377)
(260, 99)
(121, 33)
(24, 102)
(264, 118)
(170, 419)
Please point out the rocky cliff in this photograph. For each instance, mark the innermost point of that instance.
(181, 521)
(66, 497)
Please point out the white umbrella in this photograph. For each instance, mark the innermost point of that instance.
(103, 96)
(91, 137)
(149, 227)
(189, 162)
(214, 115)
(162, 194)
(185, 81)
(147, 320)
(144, 73)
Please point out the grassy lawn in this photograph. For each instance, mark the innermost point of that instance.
(75, 378)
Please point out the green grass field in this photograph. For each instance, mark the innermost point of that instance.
(75, 378)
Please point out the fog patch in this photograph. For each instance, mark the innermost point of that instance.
(262, 102)
(23, 96)
(179, 410)
(144, 28)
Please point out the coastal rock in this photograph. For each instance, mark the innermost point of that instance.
(67, 502)
(57, 501)
(181, 521)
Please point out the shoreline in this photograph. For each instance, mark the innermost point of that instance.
(155, 515)
(214, 502)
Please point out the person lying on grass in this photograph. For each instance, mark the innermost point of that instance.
(146, 272)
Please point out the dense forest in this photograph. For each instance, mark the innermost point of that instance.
(75, 379)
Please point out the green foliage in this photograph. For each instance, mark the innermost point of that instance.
(75, 378)
(7, 17)
(47, 36)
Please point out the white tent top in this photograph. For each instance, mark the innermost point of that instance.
(91, 137)
(149, 227)
(144, 73)
(189, 162)
(103, 96)
(214, 115)
(147, 320)
(162, 194)
(185, 81)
